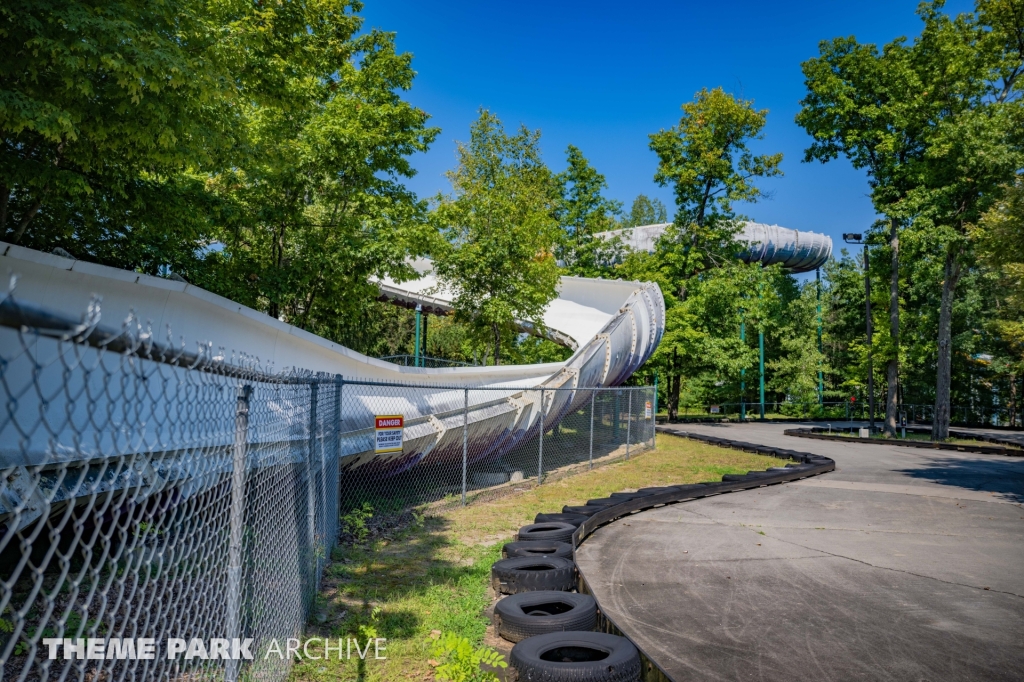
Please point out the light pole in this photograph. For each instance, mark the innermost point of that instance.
(858, 238)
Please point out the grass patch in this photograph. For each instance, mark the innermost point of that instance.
(927, 437)
(432, 574)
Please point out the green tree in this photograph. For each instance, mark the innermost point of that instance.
(708, 291)
(318, 205)
(938, 125)
(106, 103)
(256, 149)
(794, 368)
(498, 230)
(1000, 238)
(645, 211)
(706, 160)
(857, 105)
(582, 213)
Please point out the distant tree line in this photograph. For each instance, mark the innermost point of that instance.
(261, 150)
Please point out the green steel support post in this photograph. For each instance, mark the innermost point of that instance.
(423, 354)
(760, 343)
(821, 378)
(416, 352)
(743, 373)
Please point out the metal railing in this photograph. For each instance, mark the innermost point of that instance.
(148, 493)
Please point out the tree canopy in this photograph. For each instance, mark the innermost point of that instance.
(498, 231)
(582, 213)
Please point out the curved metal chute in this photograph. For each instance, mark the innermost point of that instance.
(795, 250)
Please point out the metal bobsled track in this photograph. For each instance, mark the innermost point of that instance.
(614, 325)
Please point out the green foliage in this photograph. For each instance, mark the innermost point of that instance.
(645, 211)
(708, 291)
(582, 213)
(794, 370)
(354, 522)
(498, 231)
(369, 630)
(460, 661)
(98, 97)
(937, 123)
(1000, 238)
(317, 206)
(258, 150)
(706, 159)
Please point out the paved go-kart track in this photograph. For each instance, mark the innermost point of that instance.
(902, 564)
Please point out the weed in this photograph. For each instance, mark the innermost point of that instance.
(460, 661)
(354, 522)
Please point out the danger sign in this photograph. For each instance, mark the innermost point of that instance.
(647, 409)
(388, 430)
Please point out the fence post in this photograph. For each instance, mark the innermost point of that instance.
(237, 519)
(654, 414)
(616, 415)
(540, 440)
(465, 440)
(629, 420)
(314, 390)
(592, 394)
(334, 482)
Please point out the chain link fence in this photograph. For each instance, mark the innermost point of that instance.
(150, 495)
(960, 415)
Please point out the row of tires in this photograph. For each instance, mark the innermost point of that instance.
(552, 625)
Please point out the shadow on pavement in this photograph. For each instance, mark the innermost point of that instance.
(1006, 478)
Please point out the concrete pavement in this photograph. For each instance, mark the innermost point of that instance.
(903, 564)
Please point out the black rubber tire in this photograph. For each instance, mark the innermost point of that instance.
(529, 574)
(621, 662)
(537, 548)
(622, 497)
(549, 531)
(586, 511)
(602, 502)
(658, 490)
(538, 613)
(571, 519)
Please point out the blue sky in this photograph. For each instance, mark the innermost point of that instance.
(602, 76)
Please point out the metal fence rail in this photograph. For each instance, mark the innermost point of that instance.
(147, 492)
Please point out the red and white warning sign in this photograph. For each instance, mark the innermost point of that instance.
(647, 409)
(388, 429)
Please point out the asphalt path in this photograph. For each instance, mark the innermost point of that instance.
(903, 564)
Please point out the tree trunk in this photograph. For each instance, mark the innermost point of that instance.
(673, 397)
(943, 374)
(5, 195)
(1013, 400)
(673, 388)
(497, 344)
(27, 218)
(892, 373)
